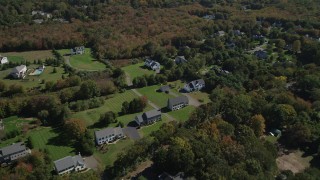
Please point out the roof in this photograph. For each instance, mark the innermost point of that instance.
(180, 59)
(164, 88)
(107, 131)
(12, 149)
(152, 113)
(19, 68)
(140, 118)
(68, 162)
(178, 100)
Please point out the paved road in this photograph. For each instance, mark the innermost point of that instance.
(154, 105)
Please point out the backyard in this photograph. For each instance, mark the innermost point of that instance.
(33, 81)
(28, 55)
(51, 140)
(183, 114)
(82, 61)
(136, 70)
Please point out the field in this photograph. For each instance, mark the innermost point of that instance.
(28, 55)
(51, 139)
(136, 70)
(183, 114)
(33, 81)
(201, 96)
(114, 104)
(84, 61)
(158, 98)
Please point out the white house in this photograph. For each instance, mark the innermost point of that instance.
(69, 164)
(19, 72)
(3, 60)
(195, 85)
(78, 50)
(154, 65)
(108, 135)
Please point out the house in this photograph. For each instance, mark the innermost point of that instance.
(77, 50)
(180, 60)
(148, 117)
(19, 72)
(108, 135)
(221, 33)
(164, 89)
(261, 54)
(209, 17)
(177, 103)
(69, 164)
(154, 65)
(195, 85)
(275, 132)
(13, 152)
(167, 176)
(3, 60)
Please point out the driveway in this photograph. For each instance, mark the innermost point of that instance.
(192, 101)
(132, 133)
(91, 162)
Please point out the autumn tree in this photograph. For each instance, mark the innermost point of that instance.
(257, 124)
(296, 47)
(75, 128)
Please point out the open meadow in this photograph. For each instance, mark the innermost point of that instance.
(28, 55)
(136, 70)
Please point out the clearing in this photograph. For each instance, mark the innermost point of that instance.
(28, 55)
(294, 162)
(136, 70)
(82, 62)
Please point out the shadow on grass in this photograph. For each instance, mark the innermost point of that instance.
(133, 124)
(148, 173)
(62, 138)
(165, 110)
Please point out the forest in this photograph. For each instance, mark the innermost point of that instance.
(260, 61)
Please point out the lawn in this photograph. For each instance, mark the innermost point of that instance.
(28, 55)
(50, 139)
(83, 61)
(183, 114)
(147, 130)
(34, 81)
(136, 70)
(111, 155)
(14, 123)
(114, 104)
(202, 97)
(158, 98)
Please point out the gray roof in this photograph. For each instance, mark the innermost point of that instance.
(18, 68)
(108, 131)
(180, 59)
(12, 149)
(164, 88)
(140, 118)
(199, 81)
(152, 113)
(178, 100)
(68, 162)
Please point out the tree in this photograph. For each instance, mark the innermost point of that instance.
(54, 70)
(108, 118)
(257, 124)
(296, 47)
(89, 89)
(3, 86)
(75, 128)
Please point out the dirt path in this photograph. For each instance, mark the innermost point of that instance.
(140, 168)
(128, 80)
(154, 105)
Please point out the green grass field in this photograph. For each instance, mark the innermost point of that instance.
(136, 70)
(84, 61)
(14, 123)
(160, 99)
(33, 81)
(183, 114)
(114, 104)
(201, 96)
(28, 55)
(48, 138)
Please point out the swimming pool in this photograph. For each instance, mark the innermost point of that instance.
(36, 72)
